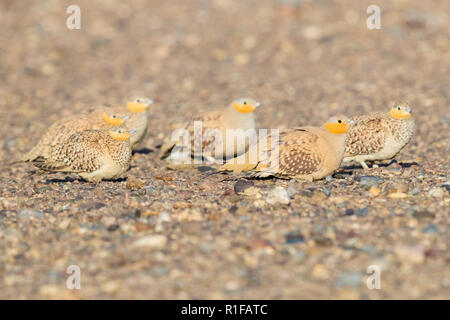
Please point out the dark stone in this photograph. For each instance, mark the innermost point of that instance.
(327, 191)
(370, 181)
(242, 185)
(294, 237)
(233, 209)
(112, 227)
(446, 186)
(342, 175)
(91, 205)
(431, 228)
(323, 242)
(349, 212)
(362, 212)
(423, 215)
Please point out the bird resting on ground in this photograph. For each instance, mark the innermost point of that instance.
(205, 137)
(305, 153)
(95, 155)
(62, 129)
(101, 118)
(379, 136)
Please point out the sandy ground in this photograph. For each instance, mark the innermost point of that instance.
(160, 233)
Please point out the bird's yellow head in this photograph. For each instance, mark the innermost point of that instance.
(139, 104)
(121, 134)
(114, 119)
(401, 111)
(245, 105)
(338, 124)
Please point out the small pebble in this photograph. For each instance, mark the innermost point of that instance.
(411, 254)
(431, 228)
(423, 215)
(291, 191)
(362, 212)
(241, 185)
(278, 195)
(398, 195)
(370, 181)
(327, 191)
(375, 191)
(294, 237)
(436, 192)
(134, 183)
(349, 279)
(152, 241)
(30, 213)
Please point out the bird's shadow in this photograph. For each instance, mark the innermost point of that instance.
(404, 165)
(57, 180)
(69, 179)
(143, 151)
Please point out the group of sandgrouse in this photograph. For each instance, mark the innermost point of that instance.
(98, 144)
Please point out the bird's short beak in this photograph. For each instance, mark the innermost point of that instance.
(408, 110)
(257, 104)
(126, 117)
(352, 122)
(132, 131)
(150, 101)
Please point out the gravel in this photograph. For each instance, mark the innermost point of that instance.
(160, 233)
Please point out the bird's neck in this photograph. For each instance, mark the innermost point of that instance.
(237, 119)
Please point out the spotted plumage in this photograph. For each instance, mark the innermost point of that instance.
(133, 117)
(93, 154)
(62, 129)
(206, 136)
(307, 153)
(379, 136)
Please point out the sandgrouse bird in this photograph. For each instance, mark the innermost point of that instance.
(379, 136)
(62, 129)
(217, 135)
(94, 155)
(100, 118)
(305, 153)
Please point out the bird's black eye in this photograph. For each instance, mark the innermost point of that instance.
(398, 108)
(245, 102)
(114, 116)
(339, 121)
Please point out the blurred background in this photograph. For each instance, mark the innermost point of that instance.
(304, 60)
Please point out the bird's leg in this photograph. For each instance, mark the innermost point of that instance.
(363, 164)
(209, 160)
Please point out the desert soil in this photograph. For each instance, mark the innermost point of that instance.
(194, 233)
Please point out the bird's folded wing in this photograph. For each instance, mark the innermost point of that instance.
(82, 152)
(297, 153)
(366, 137)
